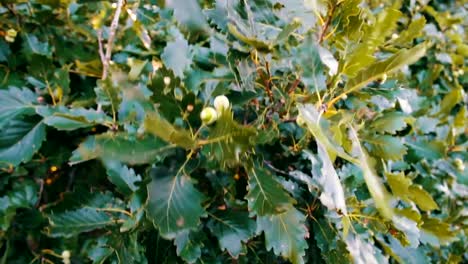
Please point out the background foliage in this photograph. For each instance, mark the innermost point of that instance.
(345, 139)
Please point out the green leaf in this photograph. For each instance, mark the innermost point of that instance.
(229, 142)
(161, 128)
(390, 123)
(314, 124)
(422, 198)
(32, 45)
(286, 234)
(120, 148)
(174, 204)
(189, 14)
(426, 124)
(123, 177)
(128, 249)
(108, 91)
(14, 103)
(360, 250)
(63, 118)
(20, 140)
(436, 229)
(324, 173)
(137, 67)
(99, 252)
(4, 51)
(266, 196)
(372, 37)
(374, 184)
(377, 70)
(404, 188)
(252, 41)
(177, 56)
(307, 57)
(406, 254)
(23, 195)
(287, 30)
(386, 147)
(71, 223)
(425, 149)
(399, 184)
(232, 228)
(413, 31)
(450, 100)
(188, 246)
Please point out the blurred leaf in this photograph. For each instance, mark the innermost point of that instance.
(440, 230)
(266, 196)
(427, 149)
(120, 148)
(286, 234)
(20, 140)
(450, 100)
(399, 184)
(378, 69)
(232, 228)
(63, 118)
(71, 223)
(422, 198)
(386, 147)
(307, 57)
(360, 250)
(32, 45)
(390, 123)
(15, 103)
(313, 121)
(174, 205)
(188, 247)
(189, 14)
(123, 177)
(413, 31)
(332, 195)
(374, 185)
(177, 56)
(161, 128)
(404, 188)
(252, 41)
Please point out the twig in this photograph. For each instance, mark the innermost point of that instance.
(110, 41)
(294, 86)
(327, 23)
(101, 49)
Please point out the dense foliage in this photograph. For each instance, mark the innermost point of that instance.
(343, 137)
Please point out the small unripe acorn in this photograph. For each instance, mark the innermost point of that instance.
(11, 33)
(167, 80)
(300, 120)
(9, 39)
(297, 20)
(384, 78)
(208, 115)
(221, 103)
(459, 164)
(66, 254)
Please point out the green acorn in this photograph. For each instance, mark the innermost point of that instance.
(208, 115)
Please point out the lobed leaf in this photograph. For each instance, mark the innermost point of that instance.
(120, 148)
(286, 234)
(265, 194)
(174, 204)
